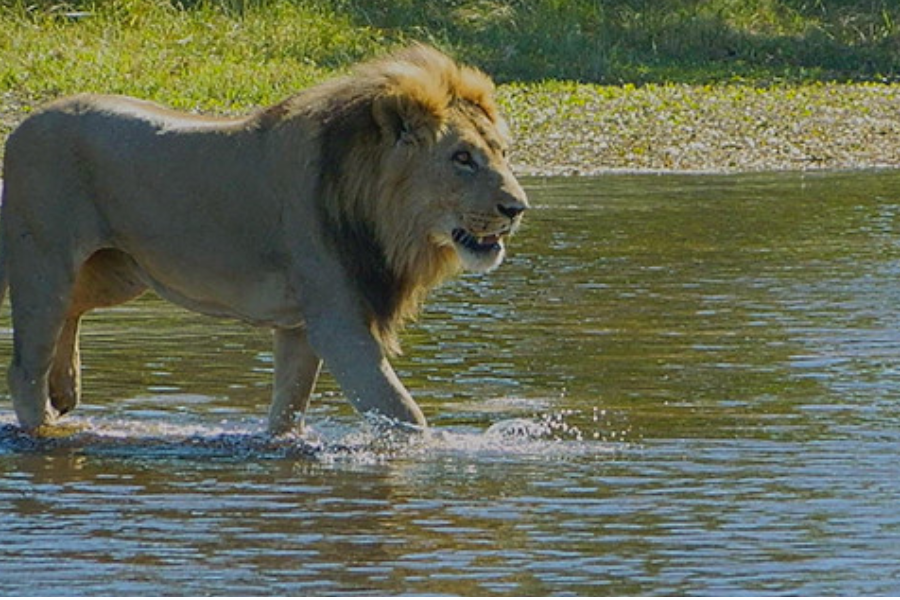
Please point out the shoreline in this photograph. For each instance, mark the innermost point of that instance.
(571, 129)
(574, 129)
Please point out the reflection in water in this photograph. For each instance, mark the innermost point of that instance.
(676, 385)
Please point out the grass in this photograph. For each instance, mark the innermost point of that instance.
(226, 56)
(214, 55)
(206, 58)
(643, 41)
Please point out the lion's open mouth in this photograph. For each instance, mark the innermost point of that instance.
(482, 244)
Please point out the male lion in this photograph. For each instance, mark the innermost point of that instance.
(326, 217)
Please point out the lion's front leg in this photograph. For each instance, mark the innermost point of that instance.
(296, 370)
(357, 361)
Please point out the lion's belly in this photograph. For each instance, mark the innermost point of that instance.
(261, 298)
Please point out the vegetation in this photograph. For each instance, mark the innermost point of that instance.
(226, 56)
(637, 41)
(264, 47)
(206, 58)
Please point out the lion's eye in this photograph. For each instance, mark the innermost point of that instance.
(465, 159)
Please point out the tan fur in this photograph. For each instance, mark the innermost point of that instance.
(327, 217)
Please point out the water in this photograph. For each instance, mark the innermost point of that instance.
(676, 385)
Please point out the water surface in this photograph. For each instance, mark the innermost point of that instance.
(675, 385)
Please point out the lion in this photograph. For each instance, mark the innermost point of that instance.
(326, 217)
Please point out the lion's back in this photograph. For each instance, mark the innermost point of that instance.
(63, 139)
(78, 117)
(101, 128)
(109, 149)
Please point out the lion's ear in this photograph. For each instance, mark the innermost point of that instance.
(404, 119)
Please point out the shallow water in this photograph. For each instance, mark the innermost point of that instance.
(675, 385)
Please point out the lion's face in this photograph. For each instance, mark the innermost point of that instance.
(448, 198)
(474, 200)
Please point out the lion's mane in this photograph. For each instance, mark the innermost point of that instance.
(374, 213)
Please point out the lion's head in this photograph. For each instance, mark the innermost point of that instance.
(444, 158)
(416, 176)
(464, 195)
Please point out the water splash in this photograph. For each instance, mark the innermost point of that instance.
(544, 436)
(554, 426)
(140, 439)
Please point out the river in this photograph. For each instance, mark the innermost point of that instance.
(676, 384)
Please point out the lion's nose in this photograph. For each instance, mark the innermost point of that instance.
(512, 209)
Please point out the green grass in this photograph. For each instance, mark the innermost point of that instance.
(207, 58)
(618, 41)
(228, 54)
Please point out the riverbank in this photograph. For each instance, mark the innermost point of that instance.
(582, 129)
(577, 129)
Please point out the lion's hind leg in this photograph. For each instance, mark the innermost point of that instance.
(108, 278)
(40, 286)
